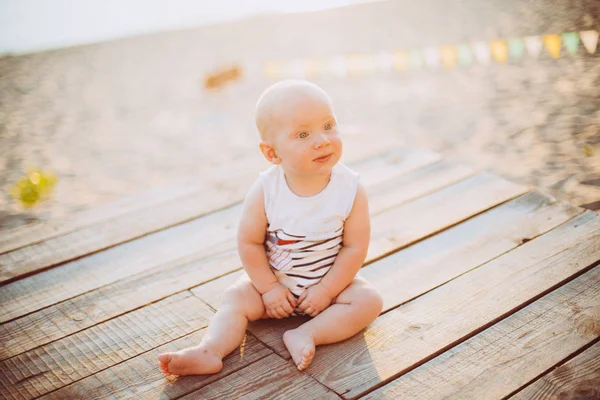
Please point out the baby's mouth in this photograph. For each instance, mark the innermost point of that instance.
(323, 158)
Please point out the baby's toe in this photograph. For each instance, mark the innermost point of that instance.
(164, 360)
(307, 356)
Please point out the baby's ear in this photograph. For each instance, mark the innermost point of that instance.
(269, 152)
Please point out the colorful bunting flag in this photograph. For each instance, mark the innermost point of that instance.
(552, 43)
(449, 56)
(297, 68)
(571, 40)
(534, 45)
(465, 56)
(590, 40)
(401, 60)
(312, 67)
(482, 52)
(369, 63)
(416, 60)
(385, 61)
(499, 50)
(356, 64)
(272, 69)
(432, 57)
(337, 65)
(516, 48)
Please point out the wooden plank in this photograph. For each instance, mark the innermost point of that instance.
(416, 269)
(413, 333)
(578, 378)
(226, 188)
(140, 377)
(91, 308)
(199, 238)
(101, 304)
(75, 357)
(415, 219)
(511, 353)
(88, 240)
(426, 265)
(422, 267)
(355, 148)
(35, 233)
(423, 181)
(270, 378)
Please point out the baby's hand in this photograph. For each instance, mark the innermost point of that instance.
(279, 301)
(314, 300)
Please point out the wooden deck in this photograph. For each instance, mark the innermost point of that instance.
(491, 290)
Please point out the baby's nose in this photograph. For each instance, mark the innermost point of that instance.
(322, 140)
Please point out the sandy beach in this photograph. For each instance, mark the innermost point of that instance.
(119, 117)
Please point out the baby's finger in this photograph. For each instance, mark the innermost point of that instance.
(287, 308)
(302, 297)
(291, 299)
(281, 312)
(302, 306)
(274, 313)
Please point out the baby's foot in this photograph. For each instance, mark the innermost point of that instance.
(191, 361)
(301, 346)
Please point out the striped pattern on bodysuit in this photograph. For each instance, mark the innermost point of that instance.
(303, 260)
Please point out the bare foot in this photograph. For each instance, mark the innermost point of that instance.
(301, 346)
(191, 361)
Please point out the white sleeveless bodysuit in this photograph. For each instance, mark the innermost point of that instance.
(304, 234)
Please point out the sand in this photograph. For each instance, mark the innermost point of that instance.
(120, 117)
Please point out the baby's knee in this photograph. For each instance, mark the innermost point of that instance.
(372, 300)
(243, 298)
(368, 298)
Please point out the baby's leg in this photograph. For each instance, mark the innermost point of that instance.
(241, 303)
(356, 307)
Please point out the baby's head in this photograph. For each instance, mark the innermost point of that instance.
(298, 128)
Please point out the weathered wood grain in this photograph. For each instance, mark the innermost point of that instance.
(355, 148)
(511, 353)
(426, 265)
(57, 321)
(199, 238)
(420, 183)
(140, 377)
(75, 357)
(429, 325)
(392, 164)
(225, 188)
(578, 378)
(270, 378)
(78, 313)
(454, 204)
(46, 254)
(35, 233)
(204, 236)
(449, 253)
(422, 267)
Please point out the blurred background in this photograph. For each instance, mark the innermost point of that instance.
(117, 97)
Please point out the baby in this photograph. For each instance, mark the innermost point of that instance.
(303, 236)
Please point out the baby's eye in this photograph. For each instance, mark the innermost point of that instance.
(327, 127)
(303, 135)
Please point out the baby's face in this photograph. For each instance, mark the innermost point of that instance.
(304, 135)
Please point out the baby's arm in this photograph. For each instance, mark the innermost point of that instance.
(355, 243)
(278, 300)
